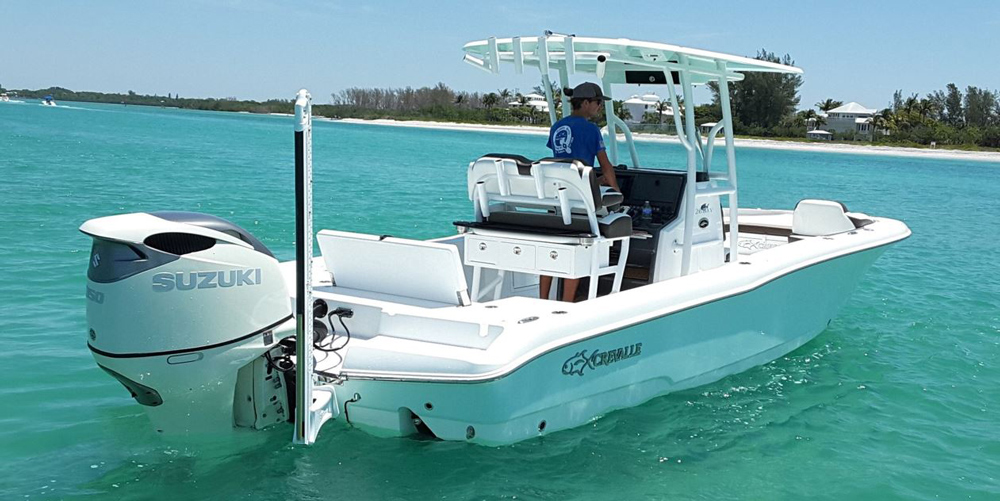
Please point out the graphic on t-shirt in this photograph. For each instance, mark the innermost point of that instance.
(562, 140)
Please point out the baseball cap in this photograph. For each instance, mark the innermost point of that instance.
(587, 90)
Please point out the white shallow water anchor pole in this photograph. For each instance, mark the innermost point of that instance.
(313, 405)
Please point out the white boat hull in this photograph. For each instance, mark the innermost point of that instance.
(685, 349)
(197, 331)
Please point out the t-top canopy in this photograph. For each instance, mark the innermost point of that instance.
(623, 60)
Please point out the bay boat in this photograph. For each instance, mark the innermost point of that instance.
(4, 98)
(48, 101)
(447, 338)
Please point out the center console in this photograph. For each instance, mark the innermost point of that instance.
(664, 191)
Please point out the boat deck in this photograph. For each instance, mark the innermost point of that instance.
(431, 340)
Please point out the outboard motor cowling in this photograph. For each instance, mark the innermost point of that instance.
(177, 304)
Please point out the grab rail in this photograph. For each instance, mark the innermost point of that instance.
(628, 139)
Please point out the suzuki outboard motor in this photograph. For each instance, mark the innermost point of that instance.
(186, 310)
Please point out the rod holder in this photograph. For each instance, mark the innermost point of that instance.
(539, 175)
(502, 182)
(567, 214)
(484, 201)
(476, 62)
(602, 66)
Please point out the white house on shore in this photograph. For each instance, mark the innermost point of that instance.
(851, 116)
(536, 101)
(821, 135)
(638, 106)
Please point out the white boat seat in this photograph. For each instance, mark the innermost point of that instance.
(520, 203)
(819, 218)
(426, 271)
(604, 196)
(520, 182)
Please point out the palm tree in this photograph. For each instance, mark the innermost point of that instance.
(927, 108)
(504, 95)
(811, 115)
(661, 107)
(828, 105)
(490, 100)
(882, 120)
(556, 91)
(621, 111)
(536, 116)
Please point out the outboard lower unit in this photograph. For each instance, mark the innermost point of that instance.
(188, 312)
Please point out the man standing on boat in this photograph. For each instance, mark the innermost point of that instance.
(575, 136)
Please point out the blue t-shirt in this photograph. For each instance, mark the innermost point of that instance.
(576, 137)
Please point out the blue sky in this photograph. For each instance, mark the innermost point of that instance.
(257, 49)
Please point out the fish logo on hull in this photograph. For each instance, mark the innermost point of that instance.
(580, 362)
(166, 282)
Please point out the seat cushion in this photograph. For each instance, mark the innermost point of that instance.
(610, 197)
(611, 226)
(578, 223)
(523, 163)
(615, 225)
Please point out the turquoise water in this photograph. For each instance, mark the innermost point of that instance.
(898, 399)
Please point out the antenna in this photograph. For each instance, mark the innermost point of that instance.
(314, 405)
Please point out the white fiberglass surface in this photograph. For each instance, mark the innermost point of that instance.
(488, 338)
(638, 50)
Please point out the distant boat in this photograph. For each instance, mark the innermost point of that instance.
(48, 101)
(9, 98)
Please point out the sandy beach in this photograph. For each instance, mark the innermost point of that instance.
(860, 149)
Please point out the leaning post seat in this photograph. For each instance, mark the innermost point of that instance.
(824, 217)
(544, 217)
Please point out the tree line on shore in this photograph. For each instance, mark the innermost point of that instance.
(944, 117)
(438, 103)
(170, 100)
(763, 104)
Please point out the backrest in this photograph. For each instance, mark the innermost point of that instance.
(504, 179)
(523, 163)
(588, 175)
(820, 217)
(430, 271)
